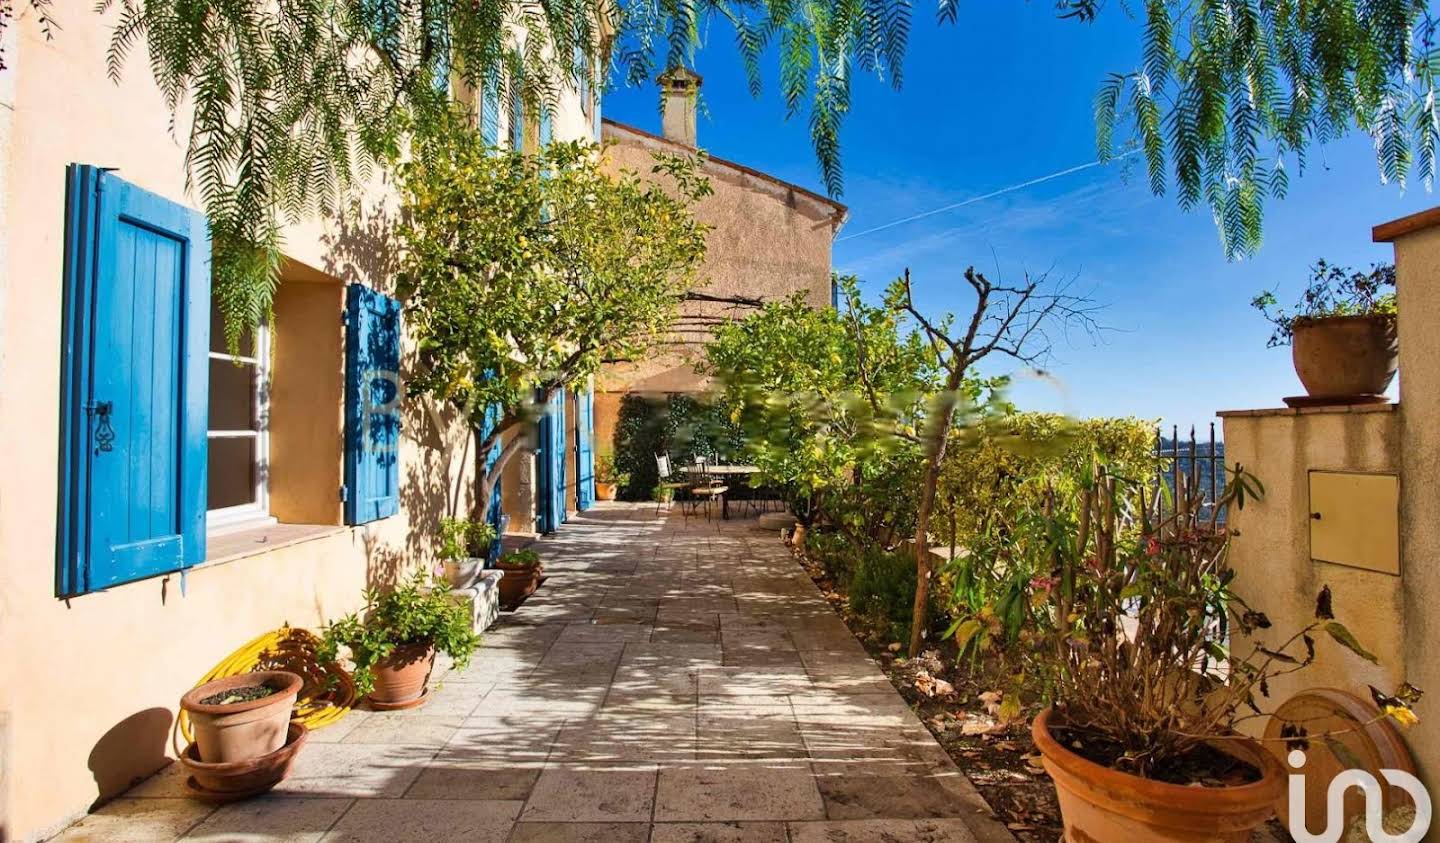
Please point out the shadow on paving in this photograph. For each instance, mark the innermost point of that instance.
(673, 680)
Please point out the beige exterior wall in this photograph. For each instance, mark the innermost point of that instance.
(1417, 266)
(768, 240)
(89, 686)
(1271, 554)
(1395, 617)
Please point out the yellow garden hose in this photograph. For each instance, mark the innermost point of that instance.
(325, 698)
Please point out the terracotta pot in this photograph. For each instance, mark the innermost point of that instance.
(248, 777)
(232, 732)
(797, 537)
(401, 676)
(1101, 805)
(1346, 356)
(605, 491)
(519, 582)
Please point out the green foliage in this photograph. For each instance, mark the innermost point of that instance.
(680, 426)
(523, 558)
(606, 472)
(882, 589)
(1227, 91)
(297, 100)
(417, 611)
(462, 538)
(1333, 291)
(993, 495)
(825, 398)
(523, 273)
(1195, 659)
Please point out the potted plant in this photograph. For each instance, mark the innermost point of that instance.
(238, 718)
(1342, 332)
(464, 547)
(1143, 734)
(663, 493)
(523, 570)
(393, 640)
(608, 479)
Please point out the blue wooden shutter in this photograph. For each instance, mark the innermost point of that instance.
(546, 130)
(517, 122)
(550, 500)
(490, 114)
(585, 448)
(135, 384)
(372, 405)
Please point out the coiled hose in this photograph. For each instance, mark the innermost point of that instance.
(326, 697)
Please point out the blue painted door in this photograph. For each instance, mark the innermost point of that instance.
(551, 458)
(136, 384)
(372, 405)
(585, 449)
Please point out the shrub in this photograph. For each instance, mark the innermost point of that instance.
(524, 557)
(461, 538)
(882, 589)
(414, 612)
(678, 425)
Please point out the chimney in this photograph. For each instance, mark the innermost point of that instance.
(680, 87)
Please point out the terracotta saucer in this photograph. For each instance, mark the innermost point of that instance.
(398, 706)
(234, 780)
(1334, 400)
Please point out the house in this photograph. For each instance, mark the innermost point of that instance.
(165, 500)
(769, 239)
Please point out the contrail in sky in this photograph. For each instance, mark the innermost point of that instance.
(991, 195)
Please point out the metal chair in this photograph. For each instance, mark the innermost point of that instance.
(662, 470)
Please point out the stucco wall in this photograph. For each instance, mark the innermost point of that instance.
(90, 684)
(767, 240)
(1271, 555)
(1417, 265)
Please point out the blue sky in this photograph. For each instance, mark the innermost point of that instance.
(1003, 96)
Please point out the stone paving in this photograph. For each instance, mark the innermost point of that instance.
(671, 681)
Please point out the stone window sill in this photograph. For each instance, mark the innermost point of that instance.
(242, 544)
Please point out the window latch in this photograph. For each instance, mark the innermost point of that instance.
(104, 434)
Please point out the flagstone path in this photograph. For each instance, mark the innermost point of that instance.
(671, 681)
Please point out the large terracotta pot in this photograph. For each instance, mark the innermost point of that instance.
(230, 732)
(1346, 356)
(605, 491)
(1101, 805)
(519, 582)
(400, 677)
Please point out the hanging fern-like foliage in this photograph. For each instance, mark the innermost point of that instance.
(1228, 90)
(294, 100)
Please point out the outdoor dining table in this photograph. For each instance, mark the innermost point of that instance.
(722, 471)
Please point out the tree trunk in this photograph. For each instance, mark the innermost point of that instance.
(486, 480)
(935, 442)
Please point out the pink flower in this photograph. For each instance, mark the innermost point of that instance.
(1043, 583)
(1152, 547)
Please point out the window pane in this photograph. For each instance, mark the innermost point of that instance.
(232, 395)
(217, 336)
(232, 471)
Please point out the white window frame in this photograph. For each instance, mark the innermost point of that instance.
(257, 512)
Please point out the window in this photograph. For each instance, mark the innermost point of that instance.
(238, 452)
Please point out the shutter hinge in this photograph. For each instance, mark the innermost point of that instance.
(344, 494)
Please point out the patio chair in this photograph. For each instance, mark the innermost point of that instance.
(668, 481)
(706, 489)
